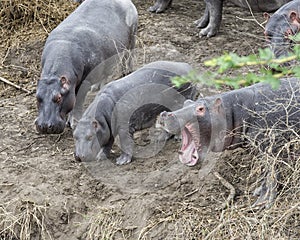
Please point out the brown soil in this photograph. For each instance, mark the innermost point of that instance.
(46, 194)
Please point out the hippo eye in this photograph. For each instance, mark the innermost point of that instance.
(57, 99)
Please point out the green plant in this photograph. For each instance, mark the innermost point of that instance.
(271, 69)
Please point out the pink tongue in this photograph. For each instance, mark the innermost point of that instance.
(188, 154)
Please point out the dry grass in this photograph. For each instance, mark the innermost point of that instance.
(105, 223)
(23, 220)
(189, 220)
(16, 14)
(24, 25)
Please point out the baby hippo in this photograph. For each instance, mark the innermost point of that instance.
(126, 105)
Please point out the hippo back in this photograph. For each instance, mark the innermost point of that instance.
(261, 5)
(177, 68)
(98, 23)
(158, 72)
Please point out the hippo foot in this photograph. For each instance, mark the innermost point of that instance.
(177, 138)
(163, 137)
(96, 87)
(72, 121)
(201, 23)
(209, 31)
(266, 193)
(123, 159)
(160, 6)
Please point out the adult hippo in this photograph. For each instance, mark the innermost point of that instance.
(284, 23)
(211, 20)
(126, 105)
(90, 40)
(257, 113)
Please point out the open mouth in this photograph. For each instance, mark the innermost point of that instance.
(189, 154)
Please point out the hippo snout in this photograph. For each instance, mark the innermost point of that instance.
(81, 157)
(163, 114)
(50, 127)
(167, 114)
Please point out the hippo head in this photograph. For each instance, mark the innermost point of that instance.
(54, 100)
(86, 143)
(279, 28)
(91, 136)
(202, 125)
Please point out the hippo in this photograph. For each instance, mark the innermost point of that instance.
(80, 52)
(235, 118)
(211, 20)
(126, 105)
(284, 23)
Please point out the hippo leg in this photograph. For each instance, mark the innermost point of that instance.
(76, 113)
(267, 191)
(160, 6)
(126, 142)
(128, 56)
(213, 13)
(104, 153)
(203, 22)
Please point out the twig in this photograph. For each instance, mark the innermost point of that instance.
(14, 85)
(148, 228)
(250, 9)
(191, 193)
(227, 185)
(221, 225)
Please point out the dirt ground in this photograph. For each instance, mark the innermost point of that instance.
(46, 194)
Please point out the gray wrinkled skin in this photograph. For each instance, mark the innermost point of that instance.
(126, 105)
(228, 120)
(284, 23)
(211, 20)
(80, 52)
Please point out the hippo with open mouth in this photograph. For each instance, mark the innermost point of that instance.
(230, 119)
(220, 122)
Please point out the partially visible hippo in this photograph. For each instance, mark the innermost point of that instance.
(226, 120)
(126, 105)
(284, 23)
(91, 39)
(211, 20)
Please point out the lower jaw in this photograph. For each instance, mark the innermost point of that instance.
(188, 160)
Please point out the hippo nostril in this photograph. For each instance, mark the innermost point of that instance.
(77, 158)
(170, 114)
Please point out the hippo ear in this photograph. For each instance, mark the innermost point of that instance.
(266, 16)
(294, 16)
(218, 107)
(188, 102)
(65, 82)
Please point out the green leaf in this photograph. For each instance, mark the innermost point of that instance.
(265, 54)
